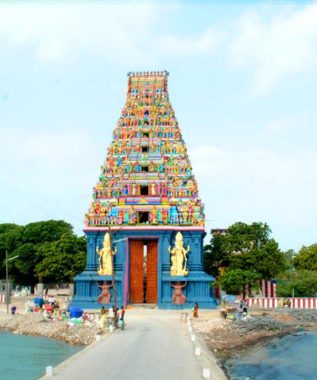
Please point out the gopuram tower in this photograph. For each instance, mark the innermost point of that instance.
(145, 224)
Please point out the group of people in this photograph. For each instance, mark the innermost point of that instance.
(48, 307)
(242, 311)
(113, 315)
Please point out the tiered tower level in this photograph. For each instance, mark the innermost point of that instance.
(147, 176)
(145, 224)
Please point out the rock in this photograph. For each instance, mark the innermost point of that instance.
(223, 335)
(33, 324)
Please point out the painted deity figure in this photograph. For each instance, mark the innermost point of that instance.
(132, 215)
(92, 210)
(105, 294)
(185, 214)
(105, 257)
(154, 214)
(163, 189)
(190, 211)
(179, 257)
(134, 189)
(178, 296)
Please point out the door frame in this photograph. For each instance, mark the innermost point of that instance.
(127, 267)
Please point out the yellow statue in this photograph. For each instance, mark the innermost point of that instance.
(179, 257)
(154, 215)
(105, 257)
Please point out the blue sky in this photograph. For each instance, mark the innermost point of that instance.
(243, 83)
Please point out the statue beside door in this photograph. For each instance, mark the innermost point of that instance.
(179, 257)
(105, 256)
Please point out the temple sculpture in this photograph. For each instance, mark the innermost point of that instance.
(105, 256)
(179, 257)
(147, 202)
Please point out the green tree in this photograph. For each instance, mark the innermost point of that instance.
(215, 256)
(289, 258)
(61, 260)
(37, 242)
(235, 281)
(47, 231)
(268, 260)
(306, 258)
(245, 253)
(22, 268)
(306, 284)
(302, 282)
(6, 227)
(10, 239)
(247, 247)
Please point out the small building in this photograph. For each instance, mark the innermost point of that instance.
(145, 224)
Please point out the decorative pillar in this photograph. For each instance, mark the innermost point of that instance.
(165, 256)
(91, 252)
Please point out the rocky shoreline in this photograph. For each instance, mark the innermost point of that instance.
(227, 338)
(224, 338)
(36, 325)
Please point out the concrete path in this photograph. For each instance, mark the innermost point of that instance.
(154, 346)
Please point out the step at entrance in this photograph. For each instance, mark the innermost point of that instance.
(143, 305)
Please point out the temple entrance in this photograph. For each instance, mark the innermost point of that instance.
(143, 271)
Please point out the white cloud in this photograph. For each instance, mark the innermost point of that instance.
(46, 162)
(276, 44)
(47, 175)
(205, 42)
(120, 32)
(272, 42)
(59, 32)
(287, 123)
(265, 170)
(258, 185)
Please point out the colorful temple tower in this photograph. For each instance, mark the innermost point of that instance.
(145, 224)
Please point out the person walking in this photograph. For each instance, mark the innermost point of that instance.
(244, 306)
(121, 317)
(195, 312)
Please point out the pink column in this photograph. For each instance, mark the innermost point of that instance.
(126, 275)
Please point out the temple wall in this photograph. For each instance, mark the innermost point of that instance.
(197, 281)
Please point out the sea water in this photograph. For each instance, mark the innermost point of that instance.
(26, 357)
(293, 357)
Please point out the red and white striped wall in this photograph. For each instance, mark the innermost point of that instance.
(268, 288)
(273, 302)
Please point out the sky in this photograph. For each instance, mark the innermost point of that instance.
(243, 84)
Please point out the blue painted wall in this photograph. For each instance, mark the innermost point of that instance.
(198, 282)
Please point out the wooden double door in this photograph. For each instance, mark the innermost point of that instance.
(143, 271)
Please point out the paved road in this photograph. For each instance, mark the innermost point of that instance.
(154, 346)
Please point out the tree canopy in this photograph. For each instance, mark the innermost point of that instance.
(62, 259)
(306, 258)
(48, 251)
(243, 255)
(301, 283)
(301, 278)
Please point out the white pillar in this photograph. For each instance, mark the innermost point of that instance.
(206, 373)
(49, 371)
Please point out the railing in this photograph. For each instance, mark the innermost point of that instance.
(292, 303)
